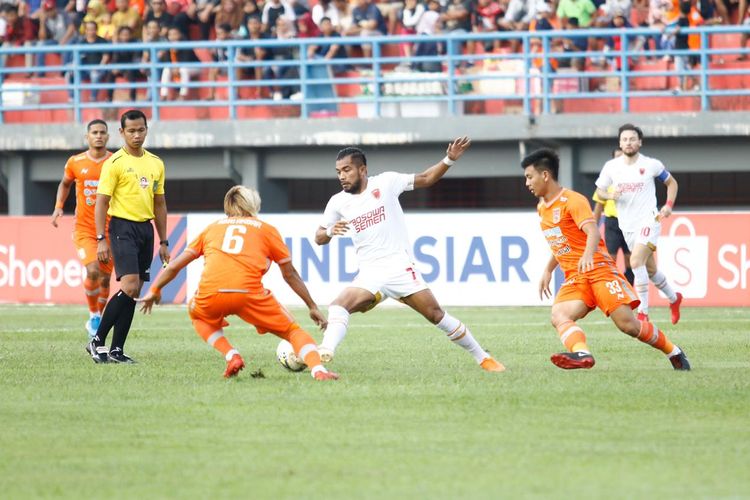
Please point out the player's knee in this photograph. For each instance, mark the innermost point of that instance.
(93, 274)
(434, 315)
(630, 325)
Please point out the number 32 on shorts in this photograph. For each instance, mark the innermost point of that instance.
(615, 289)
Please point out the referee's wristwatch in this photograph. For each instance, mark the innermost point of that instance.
(99, 237)
(164, 242)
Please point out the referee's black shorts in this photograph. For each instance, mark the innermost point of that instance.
(613, 237)
(132, 246)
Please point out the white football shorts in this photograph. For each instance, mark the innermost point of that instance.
(648, 235)
(394, 280)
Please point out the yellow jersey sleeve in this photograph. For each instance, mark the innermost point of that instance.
(108, 178)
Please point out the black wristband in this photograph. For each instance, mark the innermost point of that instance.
(164, 242)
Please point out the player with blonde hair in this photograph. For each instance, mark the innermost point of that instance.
(238, 251)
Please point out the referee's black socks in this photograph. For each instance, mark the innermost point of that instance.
(118, 313)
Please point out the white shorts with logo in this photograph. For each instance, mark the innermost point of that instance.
(647, 235)
(395, 279)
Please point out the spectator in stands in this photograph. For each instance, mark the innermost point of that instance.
(366, 21)
(274, 9)
(252, 54)
(518, 15)
(429, 24)
(542, 19)
(285, 30)
(95, 62)
(457, 19)
(177, 71)
(199, 13)
(151, 34)
(489, 14)
(125, 15)
(688, 17)
(325, 8)
(229, 12)
(410, 16)
(575, 43)
(344, 14)
(96, 12)
(607, 10)
(330, 51)
(250, 9)
(158, 12)
(219, 55)
(132, 57)
(55, 28)
(746, 23)
(583, 10)
(19, 31)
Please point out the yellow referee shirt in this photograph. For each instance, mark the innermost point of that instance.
(132, 182)
(610, 209)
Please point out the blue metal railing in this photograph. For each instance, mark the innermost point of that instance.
(385, 81)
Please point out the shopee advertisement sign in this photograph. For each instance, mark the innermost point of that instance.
(38, 263)
(706, 257)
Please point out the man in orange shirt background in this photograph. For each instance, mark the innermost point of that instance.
(84, 169)
(591, 277)
(238, 251)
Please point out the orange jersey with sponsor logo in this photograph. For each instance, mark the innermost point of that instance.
(238, 252)
(85, 171)
(561, 221)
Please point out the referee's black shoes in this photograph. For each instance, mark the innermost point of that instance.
(97, 353)
(117, 356)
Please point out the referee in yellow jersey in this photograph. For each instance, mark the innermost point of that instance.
(131, 191)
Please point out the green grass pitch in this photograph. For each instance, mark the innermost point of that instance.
(412, 415)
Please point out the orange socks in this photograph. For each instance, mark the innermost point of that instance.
(92, 295)
(103, 296)
(572, 337)
(304, 346)
(215, 338)
(651, 335)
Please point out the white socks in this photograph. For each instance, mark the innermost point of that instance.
(459, 333)
(660, 282)
(640, 283)
(338, 322)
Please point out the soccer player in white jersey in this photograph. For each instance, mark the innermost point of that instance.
(632, 174)
(369, 212)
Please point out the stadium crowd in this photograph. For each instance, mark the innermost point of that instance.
(65, 22)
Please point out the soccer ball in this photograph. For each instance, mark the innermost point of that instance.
(288, 359)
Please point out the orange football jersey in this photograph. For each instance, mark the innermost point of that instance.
(238, 252)
(561, 221)
(85, 171)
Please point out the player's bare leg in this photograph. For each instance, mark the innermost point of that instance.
(350, 300)
(563, 317)
(425, 303)
(648, 333)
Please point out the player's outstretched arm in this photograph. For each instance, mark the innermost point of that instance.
(290, 275)
(165, 277)
(455, 150)
(63, 190)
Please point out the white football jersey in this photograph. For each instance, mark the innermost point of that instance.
(636, 206)
(376, 220)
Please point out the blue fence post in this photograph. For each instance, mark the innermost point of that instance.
(303, 79)
(624, 72)
(451, 90)
(155, 77)
(376, 75)
(705, 60)
(232, 90)
(526, 79)
(75, 68)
